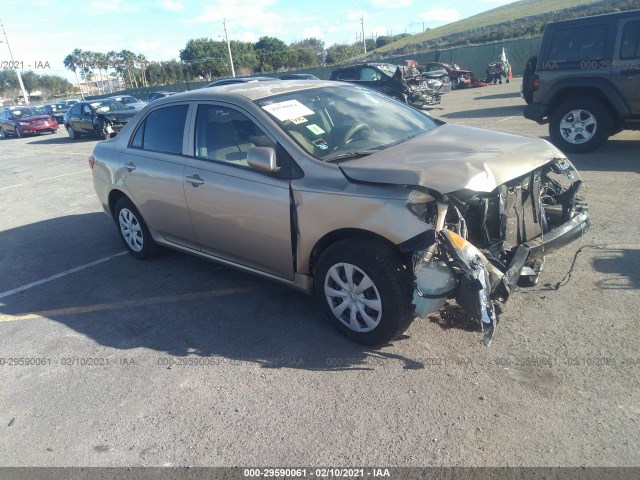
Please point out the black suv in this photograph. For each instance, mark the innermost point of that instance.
(586, 82)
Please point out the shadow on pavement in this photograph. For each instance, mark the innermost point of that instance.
(177, 305)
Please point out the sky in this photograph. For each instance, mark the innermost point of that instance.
(42, 32)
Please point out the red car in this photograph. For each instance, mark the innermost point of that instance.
(22, 121)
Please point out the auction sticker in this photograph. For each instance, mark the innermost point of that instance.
(288, 110)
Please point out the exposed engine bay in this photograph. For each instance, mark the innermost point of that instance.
(483, 244)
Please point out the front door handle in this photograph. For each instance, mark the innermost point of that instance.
(630, 71)
(194, 180)
(130, 166)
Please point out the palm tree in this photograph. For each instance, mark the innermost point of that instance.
(114, 63)
(143, 62)
(70, 64)
(102, 64)
(128, 60)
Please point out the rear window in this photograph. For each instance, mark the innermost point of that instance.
(571, 46)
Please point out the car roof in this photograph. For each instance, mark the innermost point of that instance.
(249, 90)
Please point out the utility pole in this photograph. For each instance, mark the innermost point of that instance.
(25, 95)
(364, 42)
(233, 70)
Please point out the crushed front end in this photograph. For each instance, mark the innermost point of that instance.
(420, 92)
(483, 245)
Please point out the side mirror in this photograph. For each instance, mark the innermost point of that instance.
(263, 159)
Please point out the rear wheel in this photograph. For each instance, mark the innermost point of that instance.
(73, 135)
(580, 125)
(365, 290)
(133, 231)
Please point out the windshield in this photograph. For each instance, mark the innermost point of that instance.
(59, 106)
(22, 112)
(335, 123)
(108, 106)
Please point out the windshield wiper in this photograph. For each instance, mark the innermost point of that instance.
(350, 155)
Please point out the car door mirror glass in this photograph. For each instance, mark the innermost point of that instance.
(263, 159)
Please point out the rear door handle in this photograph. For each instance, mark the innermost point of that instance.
(194, 180)
(130, 166)
(630, 71)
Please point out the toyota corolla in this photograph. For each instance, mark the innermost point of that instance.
(334, 189)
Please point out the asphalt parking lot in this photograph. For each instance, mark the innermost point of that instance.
(110, 361)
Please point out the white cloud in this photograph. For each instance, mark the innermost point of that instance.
(440, 15)
(173, 6)
(386, 4)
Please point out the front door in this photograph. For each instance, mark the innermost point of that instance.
(625, 65)
(238, 213)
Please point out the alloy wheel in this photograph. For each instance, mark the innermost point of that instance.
(578, 126)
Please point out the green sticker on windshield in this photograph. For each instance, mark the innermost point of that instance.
(315, 129)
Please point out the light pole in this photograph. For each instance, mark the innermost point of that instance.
(25, 95)
(233, 70)
(364, 42)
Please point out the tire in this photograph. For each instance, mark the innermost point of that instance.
(379, 313)
(133, 231)
(580, 125)
(3, 135)
(73, 135)
(18, 134)
(399, 97)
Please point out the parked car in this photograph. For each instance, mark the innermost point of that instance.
(232, 80)
(405, 84)
(129, 101)
(56, 111)
(298, 76)
(459, 78)
(586, 80)
(156, 95)
(331, 188)
(22, 121)
(99, 118)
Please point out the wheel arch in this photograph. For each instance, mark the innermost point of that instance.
(114, 196)
(347, 233)
(597, 88)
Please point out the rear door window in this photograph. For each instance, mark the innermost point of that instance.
(570, 47)
(630, 45)
(162, 130)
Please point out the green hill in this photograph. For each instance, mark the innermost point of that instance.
(523, 18)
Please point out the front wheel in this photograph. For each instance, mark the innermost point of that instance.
(580, 125)
(133, 231)
(365, 290)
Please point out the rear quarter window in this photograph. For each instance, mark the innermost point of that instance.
(570, 47)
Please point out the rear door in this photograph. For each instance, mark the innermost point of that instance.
(625, 65)
(153, 171)
(239, 214)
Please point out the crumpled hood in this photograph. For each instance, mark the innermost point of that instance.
(453, 157)
(119, 116)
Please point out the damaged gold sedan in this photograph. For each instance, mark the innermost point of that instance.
(336, 189)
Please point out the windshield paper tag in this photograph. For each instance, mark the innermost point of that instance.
(288, 110)
(298, 120)
(315, 129)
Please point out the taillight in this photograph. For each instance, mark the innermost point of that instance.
(536, 82)
(92, 160)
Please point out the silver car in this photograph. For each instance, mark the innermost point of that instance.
(338, 190)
